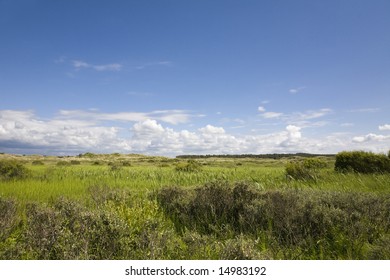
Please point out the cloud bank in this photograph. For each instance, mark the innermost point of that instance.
(71, 132)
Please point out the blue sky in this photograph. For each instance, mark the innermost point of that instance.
(194, 77)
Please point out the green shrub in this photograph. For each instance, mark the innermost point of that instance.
(75, 162)
(63, 163)
(11, 169)
(362, 162)
(37, 162)
(307, 169)
(189, 166)
(88, 155)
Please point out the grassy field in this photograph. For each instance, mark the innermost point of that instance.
(138, 207)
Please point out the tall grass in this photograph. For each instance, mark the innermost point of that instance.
(148, 208)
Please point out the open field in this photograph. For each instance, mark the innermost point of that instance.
(139, 207)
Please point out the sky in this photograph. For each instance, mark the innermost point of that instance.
(173, 77)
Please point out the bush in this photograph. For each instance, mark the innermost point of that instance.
(11, 169)
(307, 169)
(37, 162)
(292, 224)
(362, 162)
(7, 217)
(63, 163)
(75, 162)
(189, 166)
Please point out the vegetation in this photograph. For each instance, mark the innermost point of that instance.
(306, 169)
(189, 166)
(138, 207)
(362, 162)
(11, 169)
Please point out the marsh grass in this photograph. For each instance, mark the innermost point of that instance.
(228, 209)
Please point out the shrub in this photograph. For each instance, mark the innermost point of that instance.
(307, 169)
(7, 217)
(292, 224)
(11, 169)
(75, 162)
(126, 163)
(37, 162)
(362, 162)
(63, 163)
(87, 155)
(189, 166)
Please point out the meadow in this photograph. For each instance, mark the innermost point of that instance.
(117, 206)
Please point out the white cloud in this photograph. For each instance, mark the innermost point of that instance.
(80, 131)
(298, 118)
(384, 127)
(79, 64)
(312, 114)
(296, 90)
(108, 67)
(293, 132)
(364, 110)
(347, 124)
(168, 116)
(157, 63)
(209, 129)
(370, 137)
(271, 115)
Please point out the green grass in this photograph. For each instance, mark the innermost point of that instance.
(224, 209)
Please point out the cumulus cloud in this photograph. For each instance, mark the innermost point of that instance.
(370, 137)
(209, 129)
(261, 109)
(384, 127)
(79, 131)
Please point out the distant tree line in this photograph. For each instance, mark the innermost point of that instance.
(266, 156)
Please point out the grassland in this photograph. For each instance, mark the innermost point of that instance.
(138, 207)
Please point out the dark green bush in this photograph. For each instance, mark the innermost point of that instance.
(75, 162)
(362, 162)
(37, 162)
(11, 169)
(306, 169)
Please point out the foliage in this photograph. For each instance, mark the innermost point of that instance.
(304, 224)
(37, 162)
(362, 162)
(306, 169)
(189, 166)
(63, 163)
(7, 217)
(227, 211)
(88, 155)
(11, 169)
